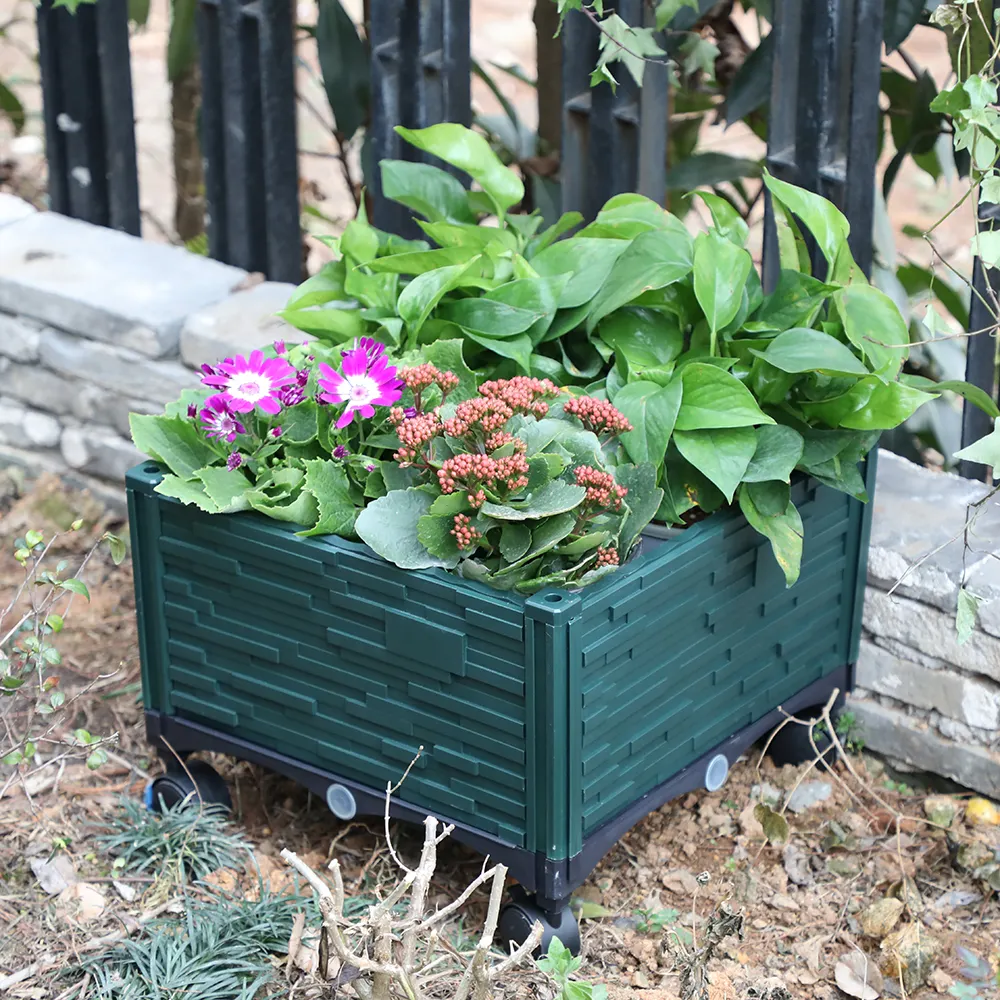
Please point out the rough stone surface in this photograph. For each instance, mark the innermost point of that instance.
(13, 209)
(237, 325)
(98, 452)
(105, 284)
(973, 702)
(916, 534)
(19, 338)
(931, 631)
(42, 429)
(94, 405)
(115, 368)
(37, 387)
(912, 741)
(12, 424)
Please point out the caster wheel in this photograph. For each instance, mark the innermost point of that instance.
(176, 785)
(792, 746)
(519, 916)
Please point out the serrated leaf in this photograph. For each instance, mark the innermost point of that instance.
(172, 441)
(327, 482)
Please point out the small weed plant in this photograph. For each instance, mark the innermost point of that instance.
(560, 964)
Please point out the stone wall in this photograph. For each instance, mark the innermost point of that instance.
(95, 324)
(921, 698)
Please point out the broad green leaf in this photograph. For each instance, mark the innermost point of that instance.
(299, 424)
(727, 220)
(389, 526)
(554, 498)
(986, 246)
(588, 261)
(643, 500)
(965, 619)
(226, 488)
(626, 216)
(462, 234)
(784, 532)
(779, 450)
(421, 296)
(565, 222)
(327, 482)
(985, 451)
(652, 411)
(173, 441)
(506, 311)
(516, 348)
(648, 338)
(887, 407)
(874, 325)
(434, 534)
(722, 454)
(795, 301)
(301, 509)
(775, 825)
(793, 254)
(450, 504)
(335, 322)
(770, 497)
(585, 543)
(448, 357)
(515, 540)
(652, 260)
(715, 398)
(326, 285)
(420, 261)
(545, 536)
(345, 68)
(431, 191)
(822, 218)
(720, 275)
(805, 350)
(360, 242)
(187, 492)
(75, 586)
(975, 395)
(469, 151)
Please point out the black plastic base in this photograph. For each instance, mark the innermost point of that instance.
(195, 780)
(518, 917)
(552, 880)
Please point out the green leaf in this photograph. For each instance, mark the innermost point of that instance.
(389, 526)
(709, 168)
(584, 544)
(434, 193)
(805, 350)
(823, 219)
(779, 450)
(326, 285)
(187, 491)
(96, 759)
(226, 489)
(11, 106)
(434, 534)
(328, 483)
(620, 41)
(54, 622)
(795, 301)
(771, 498)
(334, 322)
(506, 311)
(643, 499)
(421, 296)
(173, 441)
(720, 275)
(887, 406)
(653, 260)
(750, 89)
(652, 412)
(447, 356)
(900, 18)
(587, 261)
(965, 619)
(775, 825)
(345, 67)
(421, 261)
(515, 539)
(986, 246)
(545, 536)
(714, 397)
(626, 216)
(784, 532)
(985, 451)
(75, 586)
(667, 9)
(554, 498)
(874, 325)
(516, 348)
(648, 338)
(726, 219)
(13, 758)
(301, 509)
(469, 151)
(721, 454)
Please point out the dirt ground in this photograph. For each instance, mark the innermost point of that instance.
(795, 909)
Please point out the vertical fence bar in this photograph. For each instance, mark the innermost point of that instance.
(612, 142)
(87, 107)
(248, 135)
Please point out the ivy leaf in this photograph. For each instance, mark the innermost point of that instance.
(667, 9)
(985, 451)
(986, 246)
(965, 619)
(621, 42)
(989, 189)
(774, 824)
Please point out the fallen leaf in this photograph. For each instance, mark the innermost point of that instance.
(589, 910)
(908, 956)
(54, 876)
(811, 952)
(846, 867)
(82, 901)
(749, 823)
(957, 897)
(858, 976)
(982, 812)
(774, 825)
(908, 894)
(878, 919)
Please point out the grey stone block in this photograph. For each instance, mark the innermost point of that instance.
(918, 512)
(975, 703)
(13, 209)
(12, 430)
(892, 733)
(931, 631)
(94, 405)
(104, 284)
(98, 452)
(39, 388)
(42, 429)
(19, 337)
(237, 325)
(116, 369)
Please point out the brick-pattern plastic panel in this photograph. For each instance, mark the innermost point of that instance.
(540, 718)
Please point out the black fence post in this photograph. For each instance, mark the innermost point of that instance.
(611, 142)
(825, 117)
(87, 107)
(248, 135)
(415, 85)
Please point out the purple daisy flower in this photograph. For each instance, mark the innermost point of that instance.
(254, 381)
(219, 421)
(234, 461)
(372, 348)
(340, 451)
(291, 395)
(279, 347)
(362, 384)
(302, 376)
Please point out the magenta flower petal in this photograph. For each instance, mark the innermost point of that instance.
(355, 363)
(345, 418)
(269, 404)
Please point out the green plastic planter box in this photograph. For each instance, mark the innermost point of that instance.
(549, 724)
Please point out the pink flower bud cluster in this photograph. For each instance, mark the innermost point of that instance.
(466, 537)
(483, 415)
(471, 472)
(607, 556)
(597, 415)
(522, 394)
(496, 441)
(419, 377)
(602, 490)
(414, 434)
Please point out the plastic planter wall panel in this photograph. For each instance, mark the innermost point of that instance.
(542, 719)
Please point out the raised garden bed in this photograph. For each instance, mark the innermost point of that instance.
(550, 724)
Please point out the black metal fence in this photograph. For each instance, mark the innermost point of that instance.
(823, 131)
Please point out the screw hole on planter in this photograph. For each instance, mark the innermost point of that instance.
(553, 598)
(152, 468)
